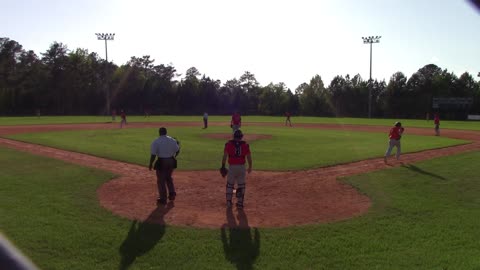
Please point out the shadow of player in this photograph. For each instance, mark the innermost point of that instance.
(143, 236)
(418, 170)
(239, 247)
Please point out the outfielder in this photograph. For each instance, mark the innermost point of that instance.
(395, 135)
(237, 151)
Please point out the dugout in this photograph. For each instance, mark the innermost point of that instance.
(452, 108)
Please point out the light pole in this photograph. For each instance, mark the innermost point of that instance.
(370, 40)
(106, 37)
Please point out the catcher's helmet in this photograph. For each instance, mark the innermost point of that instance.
(398, 124)
(238, 134)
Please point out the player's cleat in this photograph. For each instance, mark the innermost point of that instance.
(161, 201)
(229, 204)
(172, 196)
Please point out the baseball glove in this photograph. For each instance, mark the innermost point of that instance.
(223, 171)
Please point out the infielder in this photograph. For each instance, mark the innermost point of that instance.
(436, 121)
(236, 151)
(288, 115)
(395, 135)
(123, 116)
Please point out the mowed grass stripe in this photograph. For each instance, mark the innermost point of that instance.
(421, 123)
(288, 149)
(424, 216)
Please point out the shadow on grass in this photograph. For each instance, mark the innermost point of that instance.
(143, 236)
(239, 247)
(418, 170)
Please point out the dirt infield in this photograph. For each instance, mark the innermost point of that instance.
(273, 199)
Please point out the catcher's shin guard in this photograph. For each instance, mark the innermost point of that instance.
(240, 194)
(229, 191)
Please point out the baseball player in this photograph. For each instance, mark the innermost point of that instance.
(237, 151)
(236, 122)
(288, 115)
(436, 121)
(123, 116)
(394, 140)
(114, 115)
(205, 120)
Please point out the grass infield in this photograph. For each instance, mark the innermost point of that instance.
(288, 149)
(424, 216)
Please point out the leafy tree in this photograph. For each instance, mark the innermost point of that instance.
(313, 97)
(274, 99)
(209, 99)
(337, 89)
(10, 52)
(251, 87)
(422, 88)
(395, 98)
(55, 60)
(78, 82)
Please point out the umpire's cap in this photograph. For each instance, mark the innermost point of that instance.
(238, 134)
(398, 124)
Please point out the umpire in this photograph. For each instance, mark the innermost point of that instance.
(164, 149)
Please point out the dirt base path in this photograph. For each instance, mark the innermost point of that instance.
(273, 199)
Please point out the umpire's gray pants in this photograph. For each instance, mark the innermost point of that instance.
(393, 143)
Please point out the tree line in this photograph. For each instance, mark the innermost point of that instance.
(78, 82)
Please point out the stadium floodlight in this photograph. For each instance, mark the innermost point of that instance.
(106, 37)
(370, 40)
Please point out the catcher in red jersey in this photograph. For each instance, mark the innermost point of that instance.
(237, 151)
(394, 136)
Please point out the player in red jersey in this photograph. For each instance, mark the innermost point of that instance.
(236, 122)
(123, 116)
(436, 121)
(394, 140)
(237, 151)
(288, 115)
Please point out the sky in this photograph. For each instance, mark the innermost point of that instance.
(287, 41)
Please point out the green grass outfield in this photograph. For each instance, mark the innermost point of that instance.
(467, 125)
(288, 149)
(424, 216)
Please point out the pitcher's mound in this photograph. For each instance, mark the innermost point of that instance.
(246, 137)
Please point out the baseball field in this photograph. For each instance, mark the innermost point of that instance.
(75, 193)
